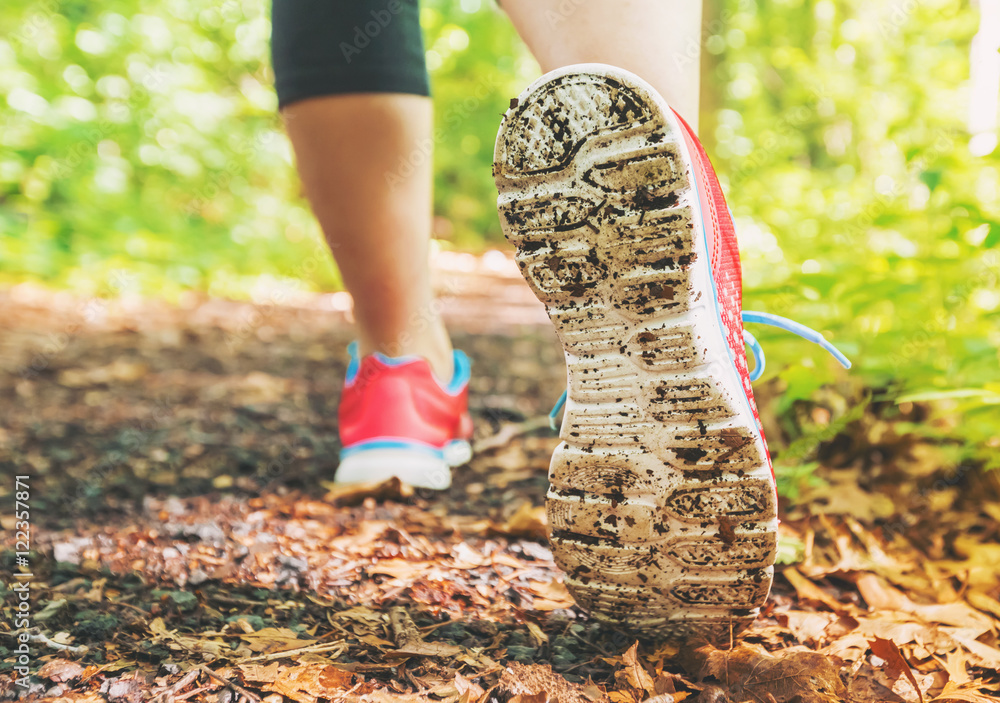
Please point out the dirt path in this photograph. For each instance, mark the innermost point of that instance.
(187, 543)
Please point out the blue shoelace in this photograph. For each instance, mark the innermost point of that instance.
(760, 318)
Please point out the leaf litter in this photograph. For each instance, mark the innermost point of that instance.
(189, 545)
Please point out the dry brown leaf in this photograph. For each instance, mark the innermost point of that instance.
(634, 674)
(469, 691)
(537, 634)
(879, 595)
(970, 693)
(895, 664)
(984, 602)
(982, 654)
(259, 673)
(540, 697)
(60, 671)
(528, 521)
(177, 642)
(274, 639)
(844, 496)
(816, 627)
(810, 592)
(536, 683)
(869, 684)
(310, 683)
(749, 671)
(550, 595)
(955, 663)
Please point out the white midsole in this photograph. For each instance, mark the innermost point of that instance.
(413, 466)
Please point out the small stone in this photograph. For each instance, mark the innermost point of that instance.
(184, 600)
(523, 655)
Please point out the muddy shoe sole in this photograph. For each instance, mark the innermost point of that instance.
(661, 502)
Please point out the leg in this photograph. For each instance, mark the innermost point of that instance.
(355, 156)
(658, 40)
(354, 92)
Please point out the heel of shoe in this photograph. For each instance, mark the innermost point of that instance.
(422, 466)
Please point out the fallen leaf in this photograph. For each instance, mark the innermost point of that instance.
(810, 592)
(970, 693)
(60, 670)
(895, 665)
(529, 521)
(310, 683)
(955, 664)
(537, 683)
(469, 691)
(537, 634)
(273, 639)
(550, 595)
(634, 674)
(750, 671)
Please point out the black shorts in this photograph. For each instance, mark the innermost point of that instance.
(328, 47)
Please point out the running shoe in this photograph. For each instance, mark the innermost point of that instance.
(397, 419)
(662, 501)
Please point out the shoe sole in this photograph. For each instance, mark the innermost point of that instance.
(661, 502)
(420, 469)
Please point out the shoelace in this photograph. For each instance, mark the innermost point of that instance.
(760, 318)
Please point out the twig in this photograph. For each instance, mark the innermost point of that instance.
(231, 684)
(290, 652)
(592, 645)
(341, 696)
(169, 693)
(226, 600)
(39, 637)
(192, 692)
(508, 433)
(137, 609)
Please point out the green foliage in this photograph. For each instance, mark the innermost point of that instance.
(840, 136)
(140, 150)
(142, 137)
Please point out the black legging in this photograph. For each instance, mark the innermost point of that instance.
(327, 47)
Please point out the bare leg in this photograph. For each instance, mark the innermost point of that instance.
(365, 162)
(658, 40)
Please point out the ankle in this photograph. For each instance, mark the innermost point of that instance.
(432, 344)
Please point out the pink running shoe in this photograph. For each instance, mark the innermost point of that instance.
(662, 499)
(397, 419)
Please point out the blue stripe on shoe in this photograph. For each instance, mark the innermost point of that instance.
(459, 379)
(392, 443)
(463, 372)
(355, 365)
(715, 291)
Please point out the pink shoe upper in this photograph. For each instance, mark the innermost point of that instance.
(725, 258)
(398, 403)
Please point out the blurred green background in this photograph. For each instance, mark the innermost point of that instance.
(141, 136)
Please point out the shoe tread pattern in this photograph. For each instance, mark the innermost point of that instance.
(661, 504)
